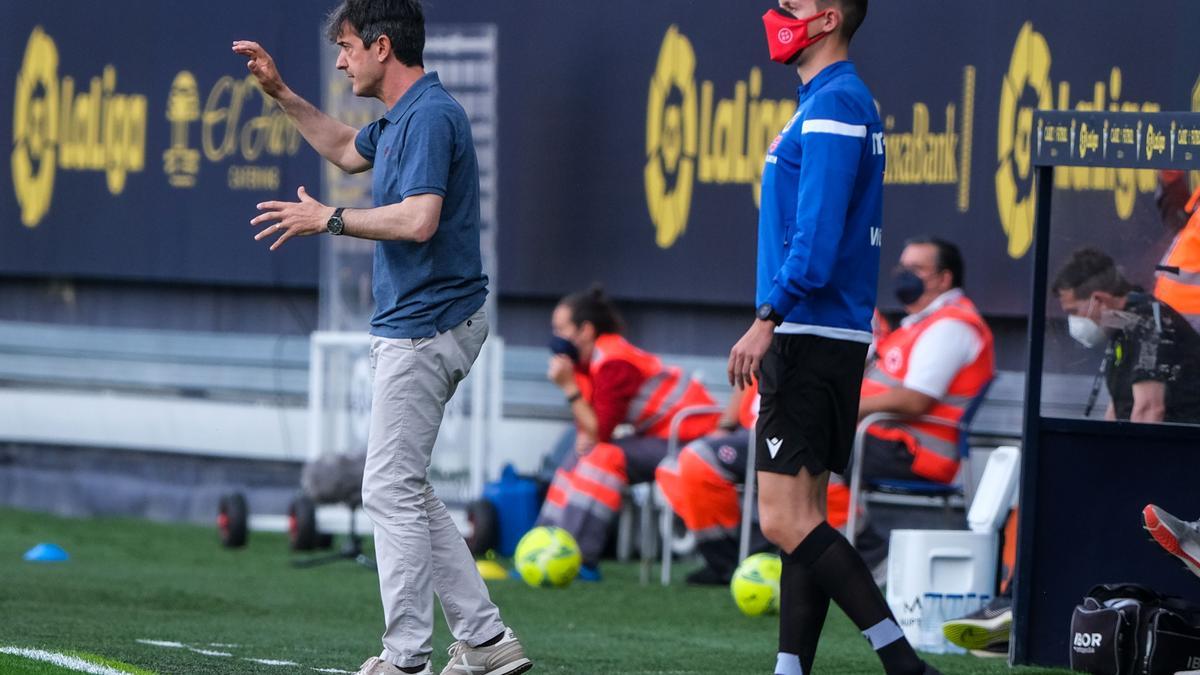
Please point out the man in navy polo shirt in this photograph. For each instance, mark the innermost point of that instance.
(429, 324)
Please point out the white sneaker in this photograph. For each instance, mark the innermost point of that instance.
(506, 657)
(1180, 538)
(377, 666)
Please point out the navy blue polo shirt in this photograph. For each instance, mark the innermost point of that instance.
(423, 145)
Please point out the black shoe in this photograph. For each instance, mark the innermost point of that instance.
(984, 628)
(930, 670)
(707, 576)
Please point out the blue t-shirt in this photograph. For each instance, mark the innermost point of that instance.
(820, 223)
(422, 146)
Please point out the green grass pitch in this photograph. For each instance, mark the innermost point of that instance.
(131, 580)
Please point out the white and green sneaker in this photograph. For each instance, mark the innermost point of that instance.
(506, 657)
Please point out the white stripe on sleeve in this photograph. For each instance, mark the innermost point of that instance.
(833, 127)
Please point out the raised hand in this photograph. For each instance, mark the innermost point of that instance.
(261, 66)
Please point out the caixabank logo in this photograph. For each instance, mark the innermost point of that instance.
(693, 140)
(1029, 86)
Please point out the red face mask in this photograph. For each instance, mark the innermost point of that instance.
(787, 36)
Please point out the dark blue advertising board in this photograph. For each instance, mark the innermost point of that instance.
(631, 135)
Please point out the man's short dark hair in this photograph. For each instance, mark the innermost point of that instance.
(948, 257)
(401, 20)
(1089, 270)
(853, 13)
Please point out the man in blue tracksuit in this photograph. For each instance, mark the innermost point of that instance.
(819, 236)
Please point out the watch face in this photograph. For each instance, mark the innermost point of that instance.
(335, 225)
(764, 311)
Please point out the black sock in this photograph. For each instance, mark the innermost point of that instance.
(840, 571)
(802, 609)
(412, 669)
(492, 641)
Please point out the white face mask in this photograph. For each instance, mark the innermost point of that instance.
(1085, 331)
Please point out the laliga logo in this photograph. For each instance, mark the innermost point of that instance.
(1026, 88)
(671, 133)
(55, 127)
(785, 35)
(35, 128)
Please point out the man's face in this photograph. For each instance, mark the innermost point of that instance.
(921, 260)
(583, 336)
(1088, 306)
(358, 61)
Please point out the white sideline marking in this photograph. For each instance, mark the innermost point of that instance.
(63, 661)
(170, 644)
(208, 652)
(163, 643)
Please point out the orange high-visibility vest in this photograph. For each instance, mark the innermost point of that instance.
(664, 391)
(934, 447)
(1181, 290)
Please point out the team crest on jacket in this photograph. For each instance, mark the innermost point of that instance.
(893, 360)
(726, 454)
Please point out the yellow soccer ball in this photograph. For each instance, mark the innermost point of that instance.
(548, 556)
(755, 584)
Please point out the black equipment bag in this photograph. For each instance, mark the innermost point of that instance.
(1129, 629)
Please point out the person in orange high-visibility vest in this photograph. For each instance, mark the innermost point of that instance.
(700, 484)
(1178, 274)
(937, 360)
(610, 383)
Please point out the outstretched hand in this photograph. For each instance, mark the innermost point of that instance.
(261, 66)
(304, 218)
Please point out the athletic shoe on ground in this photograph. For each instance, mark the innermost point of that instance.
(377, 666)
(982, 628)
(506, 657)
(707, 576)
(589, 573)
(996, 651)
(1180, 538)
(930, 670)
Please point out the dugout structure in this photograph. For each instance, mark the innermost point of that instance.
(1085, 480)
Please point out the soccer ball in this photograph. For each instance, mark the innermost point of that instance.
(755, 584)
(548, 556)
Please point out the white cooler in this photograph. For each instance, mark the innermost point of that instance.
(937, 561)
(957, 562)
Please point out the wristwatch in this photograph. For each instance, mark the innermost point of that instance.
(767, 313)
(335, 224)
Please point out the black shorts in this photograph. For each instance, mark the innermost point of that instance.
(810, 387)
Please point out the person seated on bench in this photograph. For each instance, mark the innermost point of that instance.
(701, 487)
(609, 382)
(938, 359)
(1152, 359)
